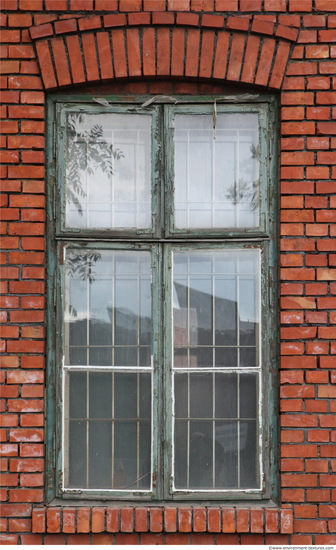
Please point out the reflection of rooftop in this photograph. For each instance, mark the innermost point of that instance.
(125, 324)
(201, 315)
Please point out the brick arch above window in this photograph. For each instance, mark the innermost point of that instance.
(246, 50)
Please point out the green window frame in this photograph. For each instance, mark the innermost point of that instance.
(98, 226)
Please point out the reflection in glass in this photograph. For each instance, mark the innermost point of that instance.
(216, 315)
(109, 419)
(216, 431)
(108, 171)
(108, 308)
(216, 171)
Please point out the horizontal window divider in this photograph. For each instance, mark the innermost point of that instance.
(210, 491)
(110, 369)
(110, 491)
(201, 370)
(67, 239)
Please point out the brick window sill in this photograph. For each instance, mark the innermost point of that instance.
(162, 519)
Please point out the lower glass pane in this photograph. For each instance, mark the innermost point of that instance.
(216, 431)
(108, 427)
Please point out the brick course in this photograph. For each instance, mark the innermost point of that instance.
(287, 48)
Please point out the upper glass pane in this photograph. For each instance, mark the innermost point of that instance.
(216, 165)
(108, 171)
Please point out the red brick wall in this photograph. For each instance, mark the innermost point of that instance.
(289, 47)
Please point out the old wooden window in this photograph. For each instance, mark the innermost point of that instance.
(162, 340)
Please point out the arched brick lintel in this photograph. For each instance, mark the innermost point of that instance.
(167, 51)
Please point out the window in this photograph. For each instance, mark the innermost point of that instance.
(163, 345)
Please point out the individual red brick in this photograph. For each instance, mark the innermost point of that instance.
(119, 55)
(163, 18)
(170, 520)
(9, 539)
(141, 520)
(257, 521)
(306, 450)
(243, 521)
(214, 21)
(158, 5)
(9, 67)
(228, 520)
(98, 520)
(236, 57)
(130, 5)
(310, 526)
(139, 19)
(90, 57)
(83, 520)
(306, 37)
(75, 58)
(133, 51)
(53, 520)
(126, 520)
(177, 538)
(26, 111)
(192, 53)
(112, 520)
(189, 19)
(292, 420)
(26, 495)
(298, 480)
(114, 20)
(163, 51)
(318, 436)
(68, 520)
(47, 70)
(104, 54)
(41, 31)
(88, 23)
(148, 40)
(207, 52)
(79, 539)
(65, 25)
(10, 36)
(221, 55)
(31, 540)
(265, 62)
(271, 525)
(250, 59)
(199, 520)
(155, 520)
(19, 20)
(184, 520)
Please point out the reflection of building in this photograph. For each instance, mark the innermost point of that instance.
(208, 321)
(126, 330)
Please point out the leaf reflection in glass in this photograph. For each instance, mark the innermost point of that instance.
(241, 190)
(80, 265)
(97, 154)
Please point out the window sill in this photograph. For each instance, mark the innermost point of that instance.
(159, 519)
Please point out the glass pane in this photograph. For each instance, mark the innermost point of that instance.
(216, 171)
(77, 453)
(108, 171)
(216, 431)
(100, 454)
(107, 308)
(109, 430)
(216, 297)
